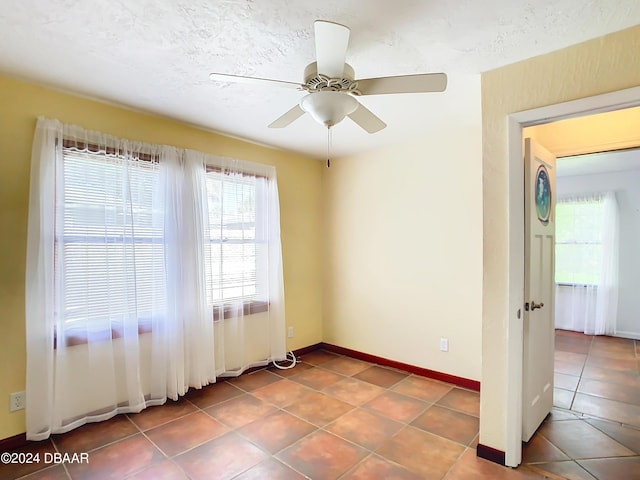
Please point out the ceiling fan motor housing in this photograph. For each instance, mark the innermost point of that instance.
(315, 81)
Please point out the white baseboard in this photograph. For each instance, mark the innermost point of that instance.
(623, 334)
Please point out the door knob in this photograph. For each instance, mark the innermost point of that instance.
(535, 305)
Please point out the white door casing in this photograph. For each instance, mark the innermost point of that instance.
(516, 121)
(538, 318)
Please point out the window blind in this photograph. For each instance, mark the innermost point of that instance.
(109, 246)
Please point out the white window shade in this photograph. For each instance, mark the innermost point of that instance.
(110, 238)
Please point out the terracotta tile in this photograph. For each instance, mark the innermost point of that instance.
(346, 366)
(318, 357)
(364, 428)
(568, 368)
(281, 393)
(154, 416)
(539, 450)
(34, 450)
(627, 436)
(166, 470)
(571, 357)
(212, 394)
(317, 378)
(186, 432)
(52, 473)
(566, 470)
(613, 468)
(450, 424)
(355, 392)
(578, 439)
(220, 459)
(289, 372)
(609, 409)
(626, 364)
(620, 352)
(377, 468)
(396, 406)
(425, 454)
(240, 411)
(566, 382)
(322, 455)
(117, 460)
(560, 414)
(471, 467)
(381, 376)
(94, 435)
(276, 431)
(463, 400)
(562, 398)
(254, 380)
(573, 344)
(611, 342)
(423, 388)
(622, 377)
(318, 408)
(621, 393)
(270, 469)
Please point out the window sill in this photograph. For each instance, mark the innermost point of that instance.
(78, 335)
(248, 308)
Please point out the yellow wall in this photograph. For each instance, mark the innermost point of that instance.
(404, 245)
(598, 66)
(299, 183)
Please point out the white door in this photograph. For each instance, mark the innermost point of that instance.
(539, 288)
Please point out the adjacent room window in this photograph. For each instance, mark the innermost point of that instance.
(579, 234)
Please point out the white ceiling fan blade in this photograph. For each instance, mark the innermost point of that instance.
(366, 119)
(284, 120)
(332, 40)
(223, 77)
(420, 83)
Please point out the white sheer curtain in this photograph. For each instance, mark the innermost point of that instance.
(244, 227)
(118, 315)
(587, 264)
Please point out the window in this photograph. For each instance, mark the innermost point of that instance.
(109, 248)
(579, 251)
(110, 245)
(232, 244)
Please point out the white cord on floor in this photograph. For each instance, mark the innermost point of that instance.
(291, 357)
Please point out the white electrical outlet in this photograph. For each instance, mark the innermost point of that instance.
(17, 401)
(290, 332)
(444, 344)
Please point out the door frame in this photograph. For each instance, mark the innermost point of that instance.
(516, 122)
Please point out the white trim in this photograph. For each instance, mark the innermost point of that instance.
(576, 108)
(625, 334)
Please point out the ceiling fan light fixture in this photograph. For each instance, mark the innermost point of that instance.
(328, 107)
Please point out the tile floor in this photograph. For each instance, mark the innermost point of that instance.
(335, 417)
(594, 429)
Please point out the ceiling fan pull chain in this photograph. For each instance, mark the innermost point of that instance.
(329, 146)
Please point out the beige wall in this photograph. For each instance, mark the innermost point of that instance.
(299, 182)
(404, 246)
(602, 65)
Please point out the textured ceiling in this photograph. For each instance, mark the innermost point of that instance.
(155, 55)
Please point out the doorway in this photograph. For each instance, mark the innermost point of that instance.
(517, 122)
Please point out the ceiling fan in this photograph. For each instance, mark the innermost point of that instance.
(331, 88)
